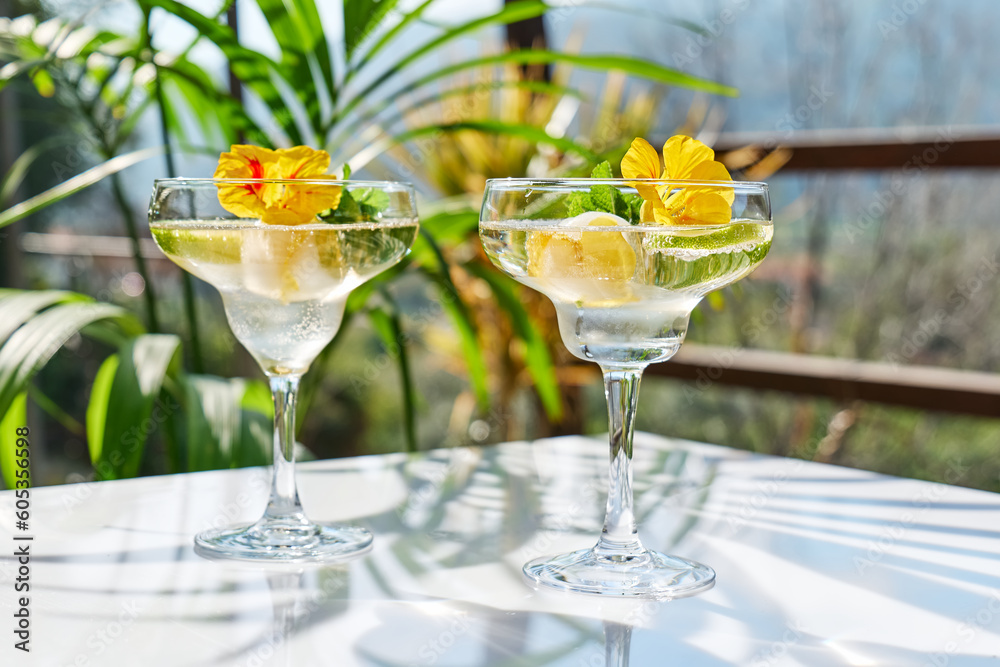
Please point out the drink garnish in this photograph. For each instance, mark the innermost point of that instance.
(684, 158)
(277, 203)
(604, 198)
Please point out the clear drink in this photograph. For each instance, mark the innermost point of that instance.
(624, 296)
(284, 288)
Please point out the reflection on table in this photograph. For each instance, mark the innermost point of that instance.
(817, 565)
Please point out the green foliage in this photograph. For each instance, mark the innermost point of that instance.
(16, 417)
(120, 412)
(27, 349)
(360, 205)
(361, 18)
(389, 327)
(221, 431)
(537, 357)
(75, 184)
(315, 91)
(139, 390)
(605, 198)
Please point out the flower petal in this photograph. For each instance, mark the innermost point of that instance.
(295, 203)
(682, 154)
(706, 208)
(279, 215)
(641, 161)
(302, 162)
(242, 201)
(647, 212)
(714, 171)
(244, 162)
(276, 203)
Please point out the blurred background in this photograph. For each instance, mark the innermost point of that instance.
(863, 340)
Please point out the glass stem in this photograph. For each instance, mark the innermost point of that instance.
(617, 643)
(284, 507)
(619, 539)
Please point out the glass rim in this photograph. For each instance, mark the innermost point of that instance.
(398, 185)
(516, 183)
(528, 224)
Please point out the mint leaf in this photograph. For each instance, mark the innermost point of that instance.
(347, 211)
(362, 205)
(634, 202)
(603, 197)
(622, 209)
(347, 172)
(373, 197)
(579, 202)
(610, 199)
(602, 170)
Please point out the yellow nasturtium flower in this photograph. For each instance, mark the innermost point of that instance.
(684, 158)
(276, 203)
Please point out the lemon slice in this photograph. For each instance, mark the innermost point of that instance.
(607, 255)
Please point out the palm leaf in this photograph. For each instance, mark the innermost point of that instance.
(390, 329)
(252, 68)
(77, 183)
(17, 307)
(370, 113)
(298, 30)
(31, 346)
(228, 423)
(644, 14)
(537, 357)
(530, 133)
(14, 177)
(511, 13)
(361, 18)
(635, 66)
(16, 417)
(120, 412)
(458, 312)
(214, 428)
(208, 104)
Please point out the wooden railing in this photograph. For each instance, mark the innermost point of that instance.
(958, 146)
(923, 387)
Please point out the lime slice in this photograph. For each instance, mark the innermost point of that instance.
(210, 246)
(736, 234)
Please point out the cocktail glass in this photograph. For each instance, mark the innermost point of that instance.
(623, 295)
(284, 289)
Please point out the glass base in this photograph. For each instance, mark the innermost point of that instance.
(275, 542)
(645, 574)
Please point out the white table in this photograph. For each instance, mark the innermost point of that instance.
(817, 565)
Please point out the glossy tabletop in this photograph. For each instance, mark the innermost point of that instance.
(817, 565)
